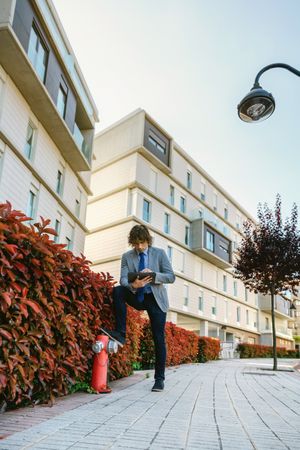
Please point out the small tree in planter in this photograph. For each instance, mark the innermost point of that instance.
(268, 258)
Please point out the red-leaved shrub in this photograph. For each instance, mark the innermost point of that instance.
(51, 308)
(209, 349)
(183, 346)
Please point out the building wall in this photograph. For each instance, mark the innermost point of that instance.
(19, 172)
(121, 180)
(205, 297)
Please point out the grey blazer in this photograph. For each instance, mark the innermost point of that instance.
(159, 263)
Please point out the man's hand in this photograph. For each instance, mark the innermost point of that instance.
(141, 283)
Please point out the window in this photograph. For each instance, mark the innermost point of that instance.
(246, 294)
(235, 242)
(215, 201)
(224, 246)
(256, 322)
(178, 261)
(60, 180)
(210, 241)
(189, 180)
(187, 236)
(238, 221)
(267, 323)
(200, 213)
(1, 158)
(70, 237)
(202, 191)
(182, 205)
(167, 223)
(61, 101)
(224, 283)
(172, 195)
(32, 202)
(235, 293)
(238, 314)
(146, 210)
(214, 306)
(199, 271)
(200, 301)
(58, 227)
(153, 180)
(186, 295)
(37, 53)
(78, 202)
(156, 142)
(29, 141)
(226, 311)
(226, 211)
(247, 316)
(170, 252)
(256, 299)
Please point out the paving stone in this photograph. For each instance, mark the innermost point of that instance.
(204, 406)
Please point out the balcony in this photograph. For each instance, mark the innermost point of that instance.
(281, 309)
(280, 332)
(208, 243)
(16, 63)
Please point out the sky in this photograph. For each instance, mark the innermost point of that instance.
(188, 63)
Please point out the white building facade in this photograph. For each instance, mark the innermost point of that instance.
(47, 120)
(140, 175)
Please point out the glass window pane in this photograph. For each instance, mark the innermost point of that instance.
(29, 141)
(61, 102)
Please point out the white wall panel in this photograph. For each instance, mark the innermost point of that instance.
(114, 176)
(15, 181)
(108, 243)
(15, 116)
(107, 210)
(118, 140)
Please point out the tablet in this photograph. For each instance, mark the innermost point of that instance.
(132, 276)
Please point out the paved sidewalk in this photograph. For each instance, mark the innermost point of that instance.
(233, 404)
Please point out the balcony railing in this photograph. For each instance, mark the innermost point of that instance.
(81, 143)
(281, 306)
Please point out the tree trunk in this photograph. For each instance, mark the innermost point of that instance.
(274, 332)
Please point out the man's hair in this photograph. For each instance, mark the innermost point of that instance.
(139, 233)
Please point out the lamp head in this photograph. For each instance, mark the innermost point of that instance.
(257, 106)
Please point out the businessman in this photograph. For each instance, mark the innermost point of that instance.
(145, 294)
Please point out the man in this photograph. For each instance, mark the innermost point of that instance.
(145, 294)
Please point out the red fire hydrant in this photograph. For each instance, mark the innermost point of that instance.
(102, 347)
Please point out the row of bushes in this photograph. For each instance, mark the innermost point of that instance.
(51, 308)
(264, 351)
(183, 346)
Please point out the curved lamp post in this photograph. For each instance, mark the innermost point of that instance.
(259, 104)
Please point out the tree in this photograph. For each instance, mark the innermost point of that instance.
(268, 258)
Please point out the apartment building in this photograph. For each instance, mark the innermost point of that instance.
(47, 120)
(141, 175)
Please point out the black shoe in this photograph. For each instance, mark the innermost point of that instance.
(158, 386)
(115, 335)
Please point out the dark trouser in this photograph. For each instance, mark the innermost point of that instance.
(121, 296)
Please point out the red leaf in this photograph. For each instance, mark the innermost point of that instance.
(11, 248)
(6, 297)
(23, 309)
(36, 308)
(6, 334)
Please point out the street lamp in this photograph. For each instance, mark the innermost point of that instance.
(259, 104)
